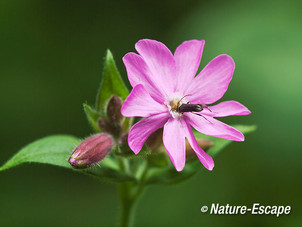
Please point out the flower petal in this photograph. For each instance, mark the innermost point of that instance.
(204, 158)
(160, 62)
(139, 73)
(213, 81)
(212, 127)
(140, 104)
(174, 142)
(140, 131)
(226, 108)
(187, 59)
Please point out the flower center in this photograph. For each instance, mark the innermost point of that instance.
(173, 103)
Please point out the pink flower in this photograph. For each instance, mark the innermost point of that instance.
(162, 82)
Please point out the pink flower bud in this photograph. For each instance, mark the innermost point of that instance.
(114, 109)
(91, 151)
(105, 126)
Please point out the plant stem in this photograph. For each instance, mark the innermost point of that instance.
(129, 193)
(127, 205)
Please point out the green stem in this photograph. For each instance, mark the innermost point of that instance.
(127, 205)
(129, 193)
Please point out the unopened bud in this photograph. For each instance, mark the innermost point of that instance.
(91, 151)
(114, 109)
(204, 144)
(105, 126)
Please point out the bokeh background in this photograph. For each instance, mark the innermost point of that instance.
(51, 58)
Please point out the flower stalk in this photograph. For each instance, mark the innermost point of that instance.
(129, 193)
(127, 205)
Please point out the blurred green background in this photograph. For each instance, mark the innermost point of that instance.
(51, 58)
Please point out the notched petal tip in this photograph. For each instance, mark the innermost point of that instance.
(160, 63)
(213, 81)
(187, 59)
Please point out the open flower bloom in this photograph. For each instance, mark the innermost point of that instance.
(162, 82)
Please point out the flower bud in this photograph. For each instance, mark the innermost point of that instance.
(105, 126)
(91, 151)
(114, 109)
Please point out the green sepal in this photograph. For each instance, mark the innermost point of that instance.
(92, 117)
(127, 123)
(111, 84)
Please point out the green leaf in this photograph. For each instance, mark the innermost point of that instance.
(219, 143)
(92, 117)
(55, 150)
(112, 83)
(169, 175)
